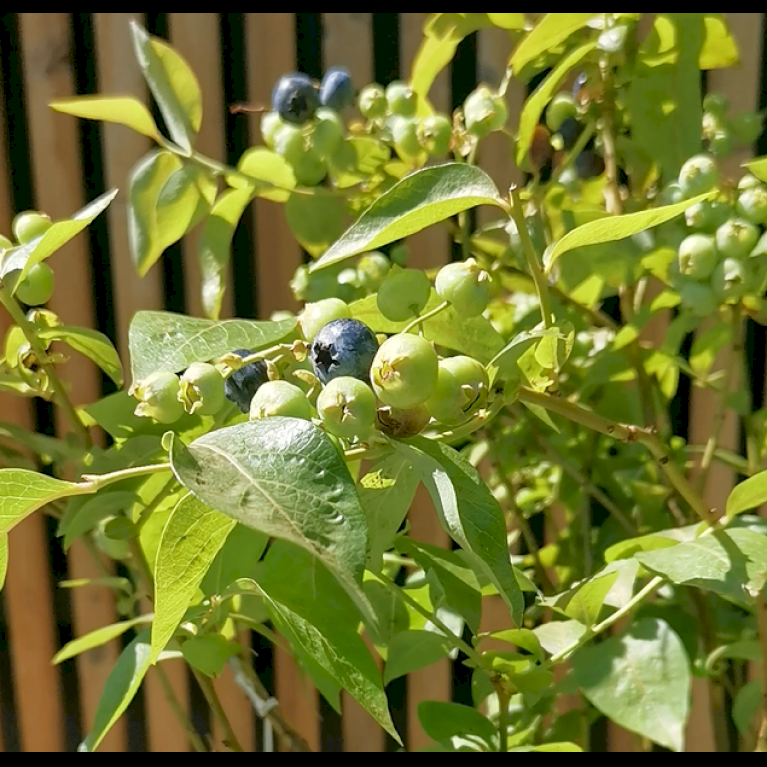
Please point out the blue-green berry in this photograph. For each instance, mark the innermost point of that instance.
(296, 99)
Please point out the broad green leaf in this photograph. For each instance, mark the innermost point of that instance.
(173, 85)
(123, 110)
(555, 638)
(535, 105)
(208, 654)
(732, 564)
(192, 539)
(316, 221)
(386, 494)
(584, 603)
(284, 478)
(273, 177)
(238, 560)
(419, 201)
(748, 496)
(628, 549)
(617, 228)
(758, 168)
(641, 681)
(3, 559)
(98, 639)
(747, 705)
(86, 517)
(664, 92)
(120, 690)
(172, 342)
(506, 361)
(49, 449)
(523, 639)
(147, 181)
(508, 20)
(412, 651)
(475, 337)
(184, 201)
(553, 29)
(24, 258)
(22, 493)
(444, 721)
(720, 50)
(357, 160)
(216, 246)
(343, 661)
(91, 344)
(469, 513)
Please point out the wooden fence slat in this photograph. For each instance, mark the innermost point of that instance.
(118, 73)
(271, 52)
(46, 45)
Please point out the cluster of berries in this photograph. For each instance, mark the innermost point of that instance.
(36, 289)
(721, 134)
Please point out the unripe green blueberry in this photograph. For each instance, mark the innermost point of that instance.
(372, 270)
(404, 133)
(403, 424)
(717, 104)
(561, 108)
(749, 182)
(672, 194)
(373, 103)
(732, 280)
(30, 225)
(707, 217)
(400, 255)
(328, 132)
(158, 398)
(402, 99)
(405, 372)
(722, 143)
(36, 289)
(290, 141)
(712, 124)
(202, 390)
(404, 294)
(699, 299)
(280, 399)
(5, 243)
(699, 176)
(698, 257)
(462, 389)
(349, 288)
(752, 206)
(485, 112)
(466, 287)
(737, 238)
(316, 316)
(347, 408)
(748, 127)
(271, 125)
(435, 134)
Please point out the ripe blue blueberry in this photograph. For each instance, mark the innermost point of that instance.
(344, 349)
(296, 99)
(337, 91)
(243, 384)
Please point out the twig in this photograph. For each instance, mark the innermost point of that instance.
(504, 699)
(218, 711)
(426, 317)
(195, 740)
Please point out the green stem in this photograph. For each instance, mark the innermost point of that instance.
(602, 628)
(194, 739)
(62, 397)
(218, 711)
(166, 492)
(541, 285)
(761, 612)
(577, 151)
(94, 484)
(419, 321)
(504, 699)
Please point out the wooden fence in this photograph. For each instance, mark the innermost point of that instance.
(52, 163)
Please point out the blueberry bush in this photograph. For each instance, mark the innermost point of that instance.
(258, 474)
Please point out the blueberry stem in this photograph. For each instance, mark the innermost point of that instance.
(426, 317)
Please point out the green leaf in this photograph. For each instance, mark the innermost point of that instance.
(747, 705)
(121, 688)
(273, 177)
(386, 494)
(412, 651)
(192, 539)
(641, 681)
(208, 654)
(584, 603)
(552, 748)
(732, 564)
(216, 246)
(91, 344)
(316, 221)
(49, 449)
(534, 106)
(238, 560)
(758, 168)
(748, 496)
(98, 639)
(419, 201)
(284, 478)
(148, 179)
(444, 721)
(616, 228)
(87, 516)
(184, 201)
(22, 493)
(24, 258)
(553, 30)
(123, 110)
(508, 20)
(506, 361)
(475, 337)
(358, 159)
(469, 513)
(3, 559)
(555, 638)
(173, 85)
(163, 341)
(720, 50)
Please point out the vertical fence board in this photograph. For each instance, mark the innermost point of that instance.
(271, 52)
(239, 710)
(118, 73)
